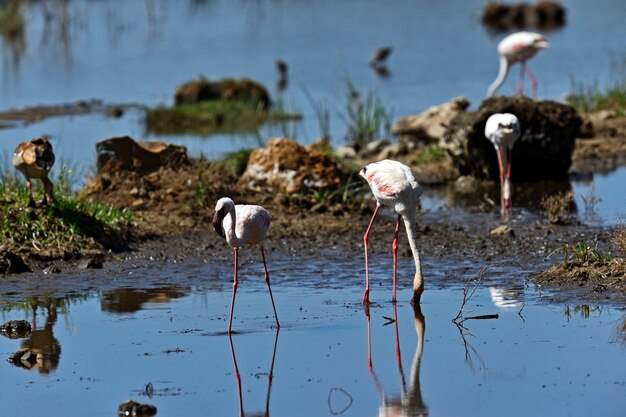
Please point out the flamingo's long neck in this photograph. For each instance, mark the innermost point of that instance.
(231, 235)
(409, 223)
(504, 69)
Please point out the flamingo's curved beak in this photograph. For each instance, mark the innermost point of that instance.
(217, 222)
(542, 44)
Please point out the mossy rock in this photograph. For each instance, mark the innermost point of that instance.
(230, 89)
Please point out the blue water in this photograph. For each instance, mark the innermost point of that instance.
(168, 330)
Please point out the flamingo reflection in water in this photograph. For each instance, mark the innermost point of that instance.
(270, 378)
(411, 402)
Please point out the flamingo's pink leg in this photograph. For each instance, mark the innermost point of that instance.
(531, 77)
(267, 279)
(395, 259)
(232, 302)
(501, 180)
(520, 85)
(366, 296)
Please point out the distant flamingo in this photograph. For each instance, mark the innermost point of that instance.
(34, 159)
(518, 47)
(394, 186)
(242, 225)
(503, 129)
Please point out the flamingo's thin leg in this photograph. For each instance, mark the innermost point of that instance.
(267, 279)
(232, 302)
(531, 77)
(501, 179)
(520, 86)
(394, 247)
(366, 296)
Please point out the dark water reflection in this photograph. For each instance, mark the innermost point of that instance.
(330, 355)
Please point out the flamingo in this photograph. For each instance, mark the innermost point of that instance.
(241, 225)
(503, 129)
(394, 186)
(518, 47)
(34, 159)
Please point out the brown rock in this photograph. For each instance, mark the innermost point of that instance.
(124, 153)
(543, 152)
(286, 166)
(226, 89)
(430, 125)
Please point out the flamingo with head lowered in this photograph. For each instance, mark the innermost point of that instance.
(241, 225)
(518, 47)
(503, 129)
(394, 186)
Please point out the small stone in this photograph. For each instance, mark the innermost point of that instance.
(139, 203)
(502, 231)
(52, 269)
(90, 263)
(133, 408)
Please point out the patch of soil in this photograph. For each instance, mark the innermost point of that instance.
(600, 276)
(605, 150)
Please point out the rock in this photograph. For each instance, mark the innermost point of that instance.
(52, 269)
(12, 263)
(226, 89)
(502, 231)
(543, 152)
(541, 15)
(345, 152)
(466, 184)
(124, 153)
(15, 329)
(133, 408)
(430, 125)
(286, 166)
(95, 262)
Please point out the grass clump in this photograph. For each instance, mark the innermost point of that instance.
(367, 117)
(430, 154)
(66, 228)
(589, 98)
(557, 207)
(618, 239)
(583, 253)
(236, 162)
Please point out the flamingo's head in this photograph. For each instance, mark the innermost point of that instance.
(220, 213)
(540, 43)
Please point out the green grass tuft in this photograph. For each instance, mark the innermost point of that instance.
(588, 98)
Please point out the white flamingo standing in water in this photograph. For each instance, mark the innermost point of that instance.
(503, 129)
(518, 47)
(241, 225)
(394, 186)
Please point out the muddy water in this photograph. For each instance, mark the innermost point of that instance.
(156, 334)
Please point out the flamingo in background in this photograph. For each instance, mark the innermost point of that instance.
(34, 159)
(394, 186)
(242, 225)
(503, 129)
(518, 47)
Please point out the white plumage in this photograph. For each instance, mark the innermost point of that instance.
(394, 186)
(503, 129)
(243, 225)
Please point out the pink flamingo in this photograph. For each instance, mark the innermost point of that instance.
(242, 225)
(503, 129)
(518, 47)
(394, 186)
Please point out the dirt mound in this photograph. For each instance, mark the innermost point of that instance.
(243, 89)
(543, 152)
(601, 276)
(285, 166)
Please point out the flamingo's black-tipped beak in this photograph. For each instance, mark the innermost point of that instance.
(217, 223)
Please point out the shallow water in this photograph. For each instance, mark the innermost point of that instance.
(163, 325)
